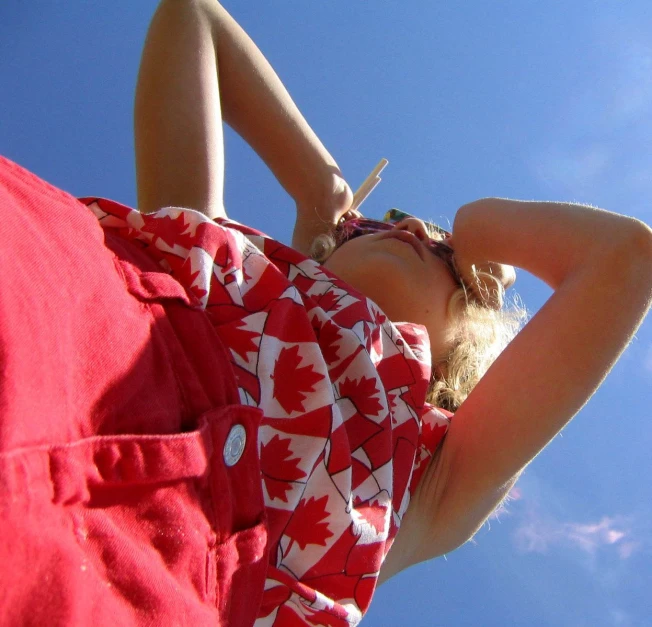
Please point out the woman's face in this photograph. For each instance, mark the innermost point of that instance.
(398, 271)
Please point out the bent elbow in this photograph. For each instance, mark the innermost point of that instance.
(644, 240)
(637, 248)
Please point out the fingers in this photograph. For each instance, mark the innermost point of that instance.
(326, 206)
(490, 282)
(509, 276)
(486, 290)
(487, 282)
(350, 215)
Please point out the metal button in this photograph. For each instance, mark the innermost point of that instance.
(235, 445)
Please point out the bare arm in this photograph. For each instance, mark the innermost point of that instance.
(180, 104)
(177, 116)
(600, 266)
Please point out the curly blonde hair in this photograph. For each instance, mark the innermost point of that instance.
(482, 333)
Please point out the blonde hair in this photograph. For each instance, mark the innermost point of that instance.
(482, 333)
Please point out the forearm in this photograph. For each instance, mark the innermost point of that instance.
(600, 266)
(181, 103)
(258, 107)
(548, 239)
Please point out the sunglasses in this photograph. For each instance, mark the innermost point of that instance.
(350, 229)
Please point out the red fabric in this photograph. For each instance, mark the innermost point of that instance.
(116, 400)
(346, 433)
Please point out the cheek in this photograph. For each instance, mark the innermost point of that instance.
(348, 263)
(404, 288)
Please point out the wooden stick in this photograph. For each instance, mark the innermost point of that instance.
(368, 185)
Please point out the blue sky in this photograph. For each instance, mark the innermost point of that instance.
(523, 99)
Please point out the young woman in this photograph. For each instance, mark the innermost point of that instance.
(224, 431)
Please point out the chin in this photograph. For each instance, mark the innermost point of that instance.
(395, 301)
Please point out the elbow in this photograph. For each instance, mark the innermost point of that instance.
(645, 245)
(644, 240)
(637, 247)
(630, 264)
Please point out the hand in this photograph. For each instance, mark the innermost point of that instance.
(487, 280)
(491, 280)
(321, 214)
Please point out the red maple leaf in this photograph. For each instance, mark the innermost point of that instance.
(329, 300)
(291, 383)
(432, 434)
(187, 278)
(276, 488)
(392, 402)
(368, 337)
(241, 340)
(379, 317)
(328, 335)
(279, 468)
(362, 394)
(306, 526)
(373, 514)
(171, 230)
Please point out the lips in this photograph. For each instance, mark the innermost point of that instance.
(407, 237)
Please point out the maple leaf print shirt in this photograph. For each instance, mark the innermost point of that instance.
(345, 434)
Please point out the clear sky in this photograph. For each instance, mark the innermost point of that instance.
(522, 99)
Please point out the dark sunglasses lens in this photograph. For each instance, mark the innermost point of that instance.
(371, 225)
(359, 226)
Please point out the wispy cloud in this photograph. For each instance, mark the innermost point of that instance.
(543, 520)
(538, 527)
(537, 533)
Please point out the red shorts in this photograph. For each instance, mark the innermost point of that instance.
(130, 487)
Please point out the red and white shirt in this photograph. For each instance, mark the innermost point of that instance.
(346, 433)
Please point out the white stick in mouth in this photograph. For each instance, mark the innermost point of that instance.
(368, 185)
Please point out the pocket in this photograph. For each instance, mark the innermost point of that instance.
(239, 560)
(240, 565)
(130, 520)
(79, 472)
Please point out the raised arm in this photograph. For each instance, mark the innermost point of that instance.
(600, 267)
(180, 104)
